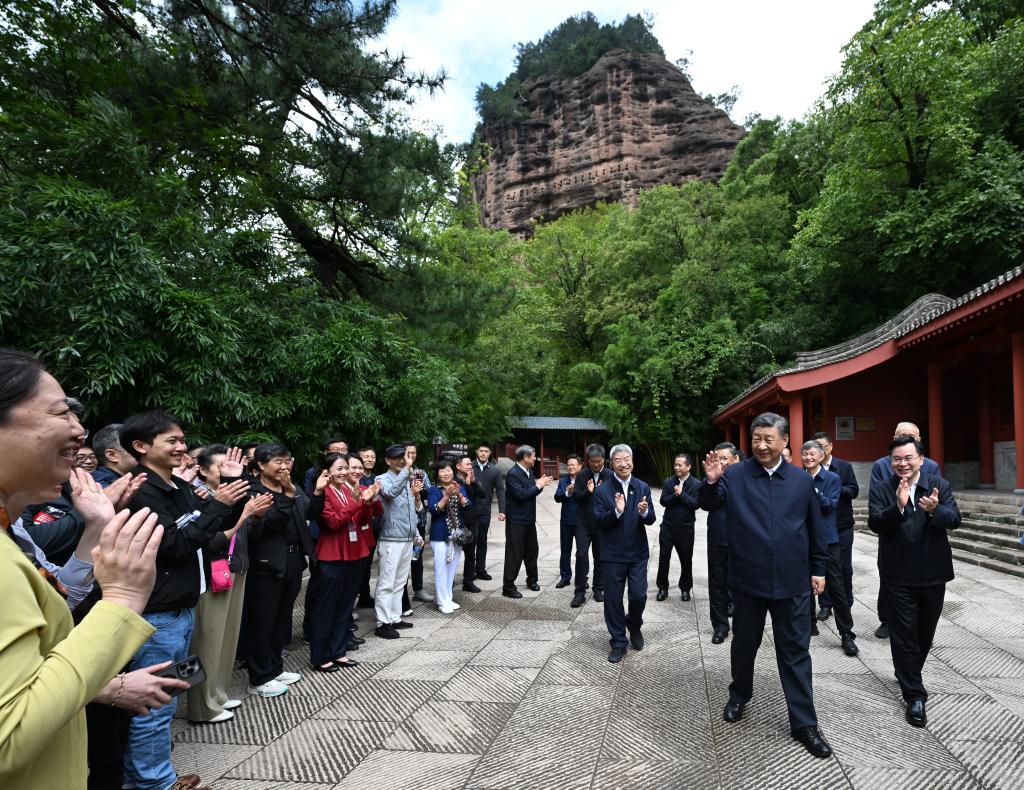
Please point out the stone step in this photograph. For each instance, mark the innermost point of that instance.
(999, 540)
(988, 562)
(1013, 556)
(998, 518)
(992, 527)
(992, 503)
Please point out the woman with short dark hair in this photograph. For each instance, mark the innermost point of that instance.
(450, 507)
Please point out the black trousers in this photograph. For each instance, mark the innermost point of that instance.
(913, 616)
(681, 539)
(615, 576)
(108, 739)
(588, 539)
(483, 524)
(566, 534)
(834, 581)
(791, 631)
(846, 560)
(469, 552)
(718, 586)
(269, 601)
(311, 596)
(521, 548)
(332, 609)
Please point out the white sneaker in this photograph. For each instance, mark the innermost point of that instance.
(355, 616)
(231, 704)
(288, 678)
(224, 715)
(271, 688)
(445, 610)
(407, 613)
(455, 605)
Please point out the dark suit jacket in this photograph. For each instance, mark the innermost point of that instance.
(585, 500)
(881, 470)
(521, 496)
(827, 486)
(623, 538)
(776, 533)
(849, 491)
(913, 549)
(680, 509)
(492, 484)
(569, 505)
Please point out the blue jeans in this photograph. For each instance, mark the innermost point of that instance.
(147, 761)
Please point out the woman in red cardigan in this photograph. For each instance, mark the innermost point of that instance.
(344, 510)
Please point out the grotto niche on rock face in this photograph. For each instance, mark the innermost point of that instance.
(632, 121)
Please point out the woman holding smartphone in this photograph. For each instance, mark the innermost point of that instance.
(345, 510)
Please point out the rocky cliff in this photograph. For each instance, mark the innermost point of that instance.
(631, 122)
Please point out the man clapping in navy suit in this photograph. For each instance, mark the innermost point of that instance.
(622, 508)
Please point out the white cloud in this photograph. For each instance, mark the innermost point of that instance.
(780, 54)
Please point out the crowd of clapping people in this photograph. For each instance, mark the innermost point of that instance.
(138, 567)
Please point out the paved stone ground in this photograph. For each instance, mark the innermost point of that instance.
(519, 694)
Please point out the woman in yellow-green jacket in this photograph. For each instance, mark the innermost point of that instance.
(49, 669)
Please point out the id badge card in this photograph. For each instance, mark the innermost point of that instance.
(353, 536)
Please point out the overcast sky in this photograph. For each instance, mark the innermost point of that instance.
(779, 53)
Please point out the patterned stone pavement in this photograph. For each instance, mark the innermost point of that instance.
(519, 694)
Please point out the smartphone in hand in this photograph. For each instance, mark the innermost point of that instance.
(190, 670)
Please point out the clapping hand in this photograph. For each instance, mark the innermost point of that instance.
(620, 503)
(713, 467)
(903, 493)
(544, 480)
(370, 492)
(124, 562)
(678, 489)
(121, 491)
(230, 493)
(186, 472)
(930, 502)
(90, 500)
(642, 507)
(257, 506)
(322, 482)
(590, 486)
(285, 479)
(231, 463)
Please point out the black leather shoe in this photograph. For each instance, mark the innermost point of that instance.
(599, 595)
(332, 667)
(813, 742)
(685, 595)
(351, 663)
(562, 583)
(617, 654)
(533, 586)
(662, 594)
(916, 716)
(578, 600)
(882, 632)
(401, 624)
(356, 640)
(636, 639)
(850, 645)
(470, 587)
(513, 593)
(484, 575)
(733, 711)
(824, 612)
(386, 632)
(718, 637)
(814, 629)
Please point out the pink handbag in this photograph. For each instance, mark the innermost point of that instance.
(220, 571)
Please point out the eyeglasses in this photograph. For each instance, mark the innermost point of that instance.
(904, 460)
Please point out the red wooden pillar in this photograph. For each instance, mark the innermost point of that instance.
(796, 423)
(936, 439)
(1018, 407)
(986, 462)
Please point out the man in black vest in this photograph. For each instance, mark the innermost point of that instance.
(679, 498)
(848, 491)
(521, 490)
(588, 535)
(912, 513)
(492, 483)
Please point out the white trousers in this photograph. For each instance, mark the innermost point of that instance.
(393, 561)
(444, 572)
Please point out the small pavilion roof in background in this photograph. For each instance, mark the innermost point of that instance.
(557, 423)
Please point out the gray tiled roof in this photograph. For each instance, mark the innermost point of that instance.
(557, 423)
(921, 312)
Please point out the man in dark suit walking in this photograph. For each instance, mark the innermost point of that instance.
(881, 471)
(849, 490)
(521, 490)
(588, 536)
(912, 513)
(567, 518)
(622, 508)
(492, 484)
(777, 557)
(679, 498)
